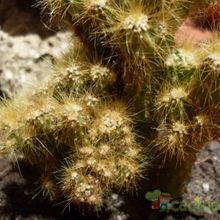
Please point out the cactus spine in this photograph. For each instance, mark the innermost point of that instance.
(124, 93)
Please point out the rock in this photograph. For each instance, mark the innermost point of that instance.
(23, 59)
(206, 187)
(214, 145)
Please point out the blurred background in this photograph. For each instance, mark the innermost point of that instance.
(27, 39)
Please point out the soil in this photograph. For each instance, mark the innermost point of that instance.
(22, 25)
(18, 199)
(21, 17)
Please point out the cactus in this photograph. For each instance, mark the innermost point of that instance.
(122, 95)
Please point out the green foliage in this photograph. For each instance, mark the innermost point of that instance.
(153, 196)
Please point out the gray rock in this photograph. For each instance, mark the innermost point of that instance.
(26, 60)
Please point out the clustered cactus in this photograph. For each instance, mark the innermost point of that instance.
(123, 103)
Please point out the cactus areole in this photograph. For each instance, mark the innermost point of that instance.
(123, 104)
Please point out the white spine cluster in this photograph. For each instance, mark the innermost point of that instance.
(179, 128)
(181, 57)
(39, 112)
(110, 122)
(137, 23)
(97, 4)
(99, 72)
(73, 72)
(215, 61)
(91, 101)
(176, 95)
(201, 120)
(72, 111)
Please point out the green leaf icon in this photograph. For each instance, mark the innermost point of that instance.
(153, 196)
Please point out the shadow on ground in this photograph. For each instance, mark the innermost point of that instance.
(17, 202)
(20, 17)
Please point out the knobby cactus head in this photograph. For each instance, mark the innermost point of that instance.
(123, 103)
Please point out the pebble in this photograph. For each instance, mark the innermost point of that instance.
(214, 145)
(206, 187)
